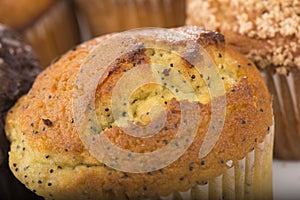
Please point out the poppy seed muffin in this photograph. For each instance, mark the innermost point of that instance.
(50, 155)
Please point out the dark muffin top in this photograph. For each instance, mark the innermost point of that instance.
(18, 68)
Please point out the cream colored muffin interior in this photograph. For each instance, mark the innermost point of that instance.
(175, 79)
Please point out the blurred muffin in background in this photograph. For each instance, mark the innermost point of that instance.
(49, 26)
(106, 16)
(268, 32)
(18, 68)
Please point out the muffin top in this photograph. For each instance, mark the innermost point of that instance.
(267, 31)
(21, 13)
(50, 144)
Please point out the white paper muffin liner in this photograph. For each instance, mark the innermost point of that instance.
(286, 94)
(54, 32)
(248, 178)
(105, 16)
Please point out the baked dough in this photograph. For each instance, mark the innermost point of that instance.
(49, 157)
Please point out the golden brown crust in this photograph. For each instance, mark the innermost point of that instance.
(267, 31)
(45, 139)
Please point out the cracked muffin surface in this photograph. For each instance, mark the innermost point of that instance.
(49, 157)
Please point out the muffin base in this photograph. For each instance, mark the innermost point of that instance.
(286, 92)
(248, 178)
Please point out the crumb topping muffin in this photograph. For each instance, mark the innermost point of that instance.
(267, 31)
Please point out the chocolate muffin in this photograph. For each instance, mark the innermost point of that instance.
(18, 68)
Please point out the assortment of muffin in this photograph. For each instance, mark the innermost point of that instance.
(43, 148)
